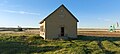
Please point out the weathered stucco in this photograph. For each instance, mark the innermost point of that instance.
(42, 33)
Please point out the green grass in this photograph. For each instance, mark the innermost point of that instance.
(34, 44)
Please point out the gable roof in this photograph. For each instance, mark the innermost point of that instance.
(56, 10)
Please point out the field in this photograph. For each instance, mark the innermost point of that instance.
(88, 42)
(98, 32)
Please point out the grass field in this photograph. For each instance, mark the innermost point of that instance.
(27, 43)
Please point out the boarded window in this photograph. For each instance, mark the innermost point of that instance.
(41, 28)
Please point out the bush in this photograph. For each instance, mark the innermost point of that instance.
(20, 29)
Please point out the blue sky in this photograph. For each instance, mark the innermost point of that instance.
(90, 13)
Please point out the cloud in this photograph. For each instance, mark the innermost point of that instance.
(104, 19)
(107, 20)
(20, 12)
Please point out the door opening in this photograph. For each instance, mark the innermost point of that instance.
(62, 31)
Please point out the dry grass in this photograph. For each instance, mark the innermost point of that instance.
(99, 33)
(90, 43)
(85, 32)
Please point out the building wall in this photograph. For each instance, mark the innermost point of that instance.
(55, 22)
(42, 33)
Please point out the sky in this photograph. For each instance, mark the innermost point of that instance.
(90, 13)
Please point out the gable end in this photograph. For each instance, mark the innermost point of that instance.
(56, 10)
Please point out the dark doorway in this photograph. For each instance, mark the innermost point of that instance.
(62, 31)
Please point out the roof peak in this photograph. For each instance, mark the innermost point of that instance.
(62, 5)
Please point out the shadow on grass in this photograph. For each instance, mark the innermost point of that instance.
(96, 38)
(99, 40)
(20, 47)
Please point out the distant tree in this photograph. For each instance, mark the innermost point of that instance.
(20, 28)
